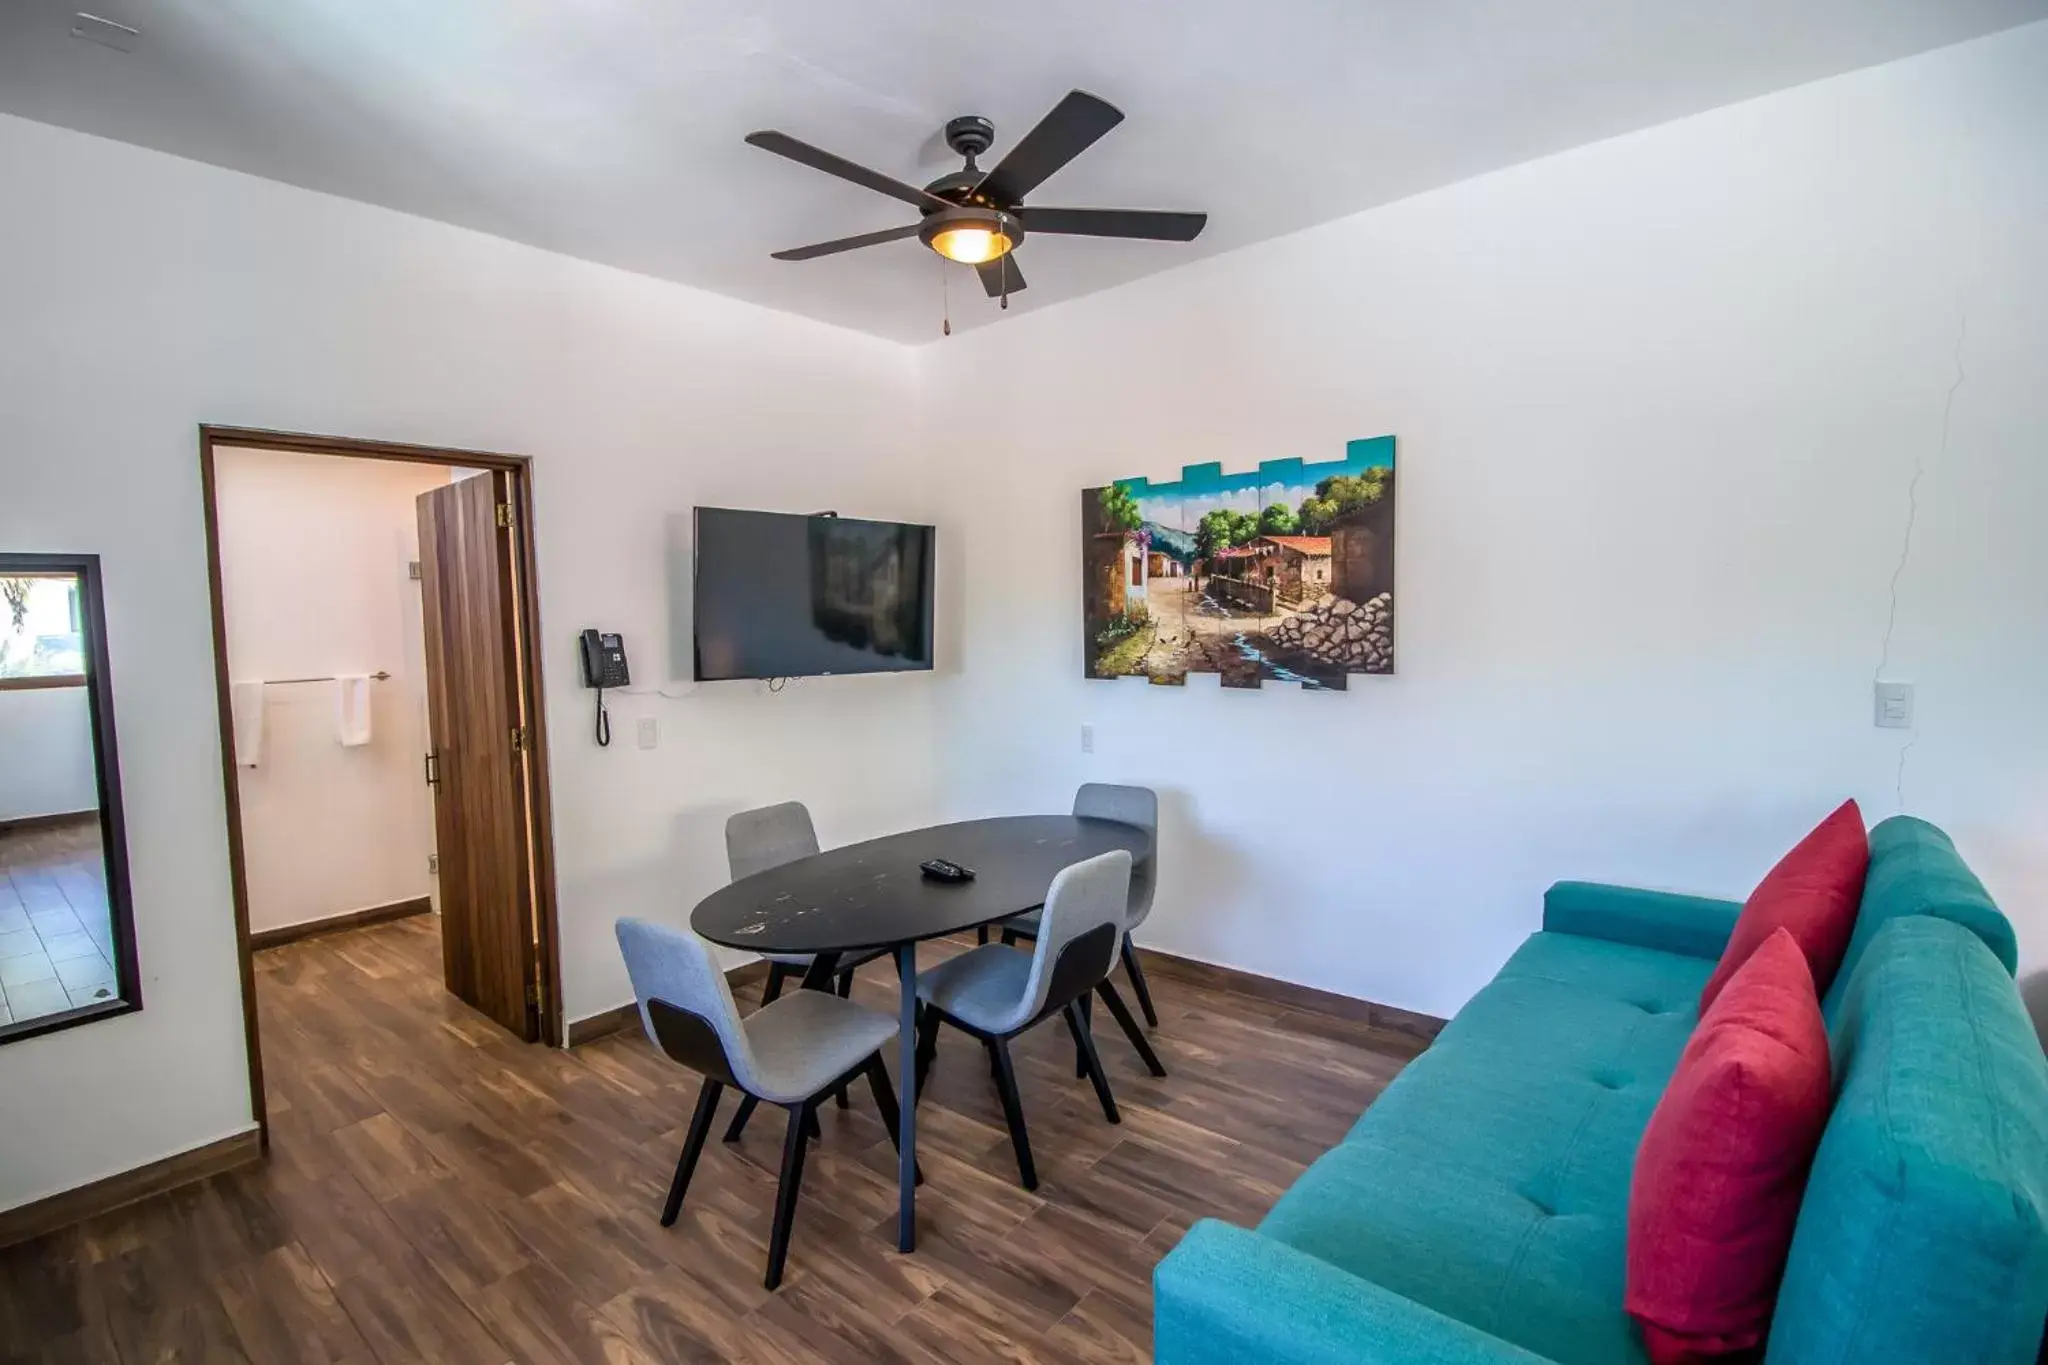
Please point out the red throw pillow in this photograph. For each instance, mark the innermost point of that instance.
(1814, 891)
(1722, 1166)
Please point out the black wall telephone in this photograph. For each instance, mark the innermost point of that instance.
(604, 661)
(604, 665)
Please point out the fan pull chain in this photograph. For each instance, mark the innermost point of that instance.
(1006, 281)
(946, 299)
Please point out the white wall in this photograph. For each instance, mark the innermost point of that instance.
(144, 295)
(315, 581)
(1659, 402)
(46, 754)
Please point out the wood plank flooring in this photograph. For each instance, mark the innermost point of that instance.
(440, 1192)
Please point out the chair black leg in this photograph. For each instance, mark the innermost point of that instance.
(845, 993)
(693, 1147)
(1085, 1042)
(885, 1100)
(739, 1120)
(776, 972)
(1085, 1007)
(1013, 1112)
(1130, 1027)
(793, 1146)
(927, 1046)
(981, 934)
(1010, 938)
(1137, 975)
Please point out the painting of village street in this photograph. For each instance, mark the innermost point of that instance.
(1284, 572)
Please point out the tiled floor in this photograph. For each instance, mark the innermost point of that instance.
(56, 939)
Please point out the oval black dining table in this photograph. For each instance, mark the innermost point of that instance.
(873, 895)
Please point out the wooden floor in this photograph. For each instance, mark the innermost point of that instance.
(439, 1192)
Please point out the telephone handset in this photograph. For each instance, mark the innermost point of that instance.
(604, 665)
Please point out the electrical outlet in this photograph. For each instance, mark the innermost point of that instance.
(1087, 739)
(1892, 705)
(648, 732)
(433, 864)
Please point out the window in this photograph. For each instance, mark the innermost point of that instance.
(40, 643)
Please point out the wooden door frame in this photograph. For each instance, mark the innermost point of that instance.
(520, 468)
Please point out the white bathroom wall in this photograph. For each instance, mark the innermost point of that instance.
(1666, 407)
(46, 755)
(314, 580)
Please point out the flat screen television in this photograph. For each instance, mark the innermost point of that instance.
(785, 596)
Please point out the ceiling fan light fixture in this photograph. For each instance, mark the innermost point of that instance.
(971, 235)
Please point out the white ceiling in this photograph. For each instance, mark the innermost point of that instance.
(610, 129)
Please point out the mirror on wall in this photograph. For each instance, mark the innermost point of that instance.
(67, 942)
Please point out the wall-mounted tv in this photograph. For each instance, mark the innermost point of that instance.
(785, 596)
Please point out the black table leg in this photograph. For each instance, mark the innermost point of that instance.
(906, 1100)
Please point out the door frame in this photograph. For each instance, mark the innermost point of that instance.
(520, 470)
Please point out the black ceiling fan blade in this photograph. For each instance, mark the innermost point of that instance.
(1069, 130)
(1000, 276)
(818, 159)
(839, 244)
(1151, 224)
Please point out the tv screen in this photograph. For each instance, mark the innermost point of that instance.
(785, 596)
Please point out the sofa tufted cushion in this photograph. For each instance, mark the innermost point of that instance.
(1489, 1182)
(1520, 1259)
(1653, 982)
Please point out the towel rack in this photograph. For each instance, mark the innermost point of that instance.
(379, 676)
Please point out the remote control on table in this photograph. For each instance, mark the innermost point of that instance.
(940, 870)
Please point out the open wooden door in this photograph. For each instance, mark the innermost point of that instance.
(477, 728)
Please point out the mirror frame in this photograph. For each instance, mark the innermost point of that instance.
(99, 692)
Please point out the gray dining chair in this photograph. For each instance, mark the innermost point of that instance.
(755, 841)
(770, 836)
(791, 1052)
(995, 991)
(1130, 806)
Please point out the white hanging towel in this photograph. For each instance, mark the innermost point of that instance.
(352, 709)
(245, 705)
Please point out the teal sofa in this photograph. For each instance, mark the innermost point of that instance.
(1477, 1213)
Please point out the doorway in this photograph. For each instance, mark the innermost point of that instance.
(459, 709)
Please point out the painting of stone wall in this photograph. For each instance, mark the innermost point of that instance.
(1284, 572)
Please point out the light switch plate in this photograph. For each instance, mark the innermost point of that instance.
(1087, 739)
(1892, 705)
(648, 732)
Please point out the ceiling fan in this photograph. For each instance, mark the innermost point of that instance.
(978, 217)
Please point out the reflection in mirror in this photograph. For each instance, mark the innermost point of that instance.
(66, 942)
